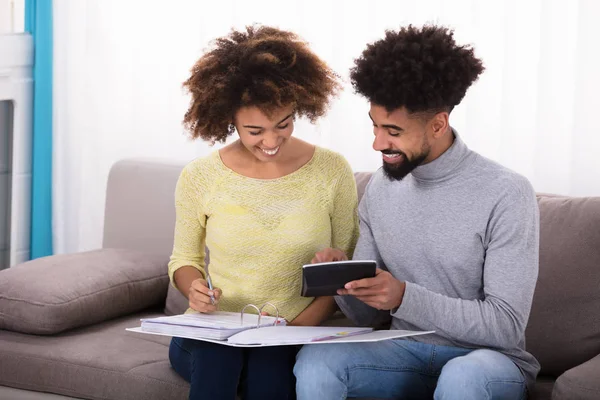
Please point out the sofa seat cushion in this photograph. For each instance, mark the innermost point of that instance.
(102, 361)
(52, 294)
(581, 382)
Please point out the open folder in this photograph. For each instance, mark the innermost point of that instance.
(250, 330)
(218, 325)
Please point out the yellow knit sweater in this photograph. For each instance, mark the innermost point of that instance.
(260, 232)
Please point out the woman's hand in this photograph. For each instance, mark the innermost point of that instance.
(328, 255)
(199, 296)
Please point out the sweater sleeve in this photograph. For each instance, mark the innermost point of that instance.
(190, 227)
(509, 278)
(366, 249)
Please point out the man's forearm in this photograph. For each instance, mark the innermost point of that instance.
(490, 323)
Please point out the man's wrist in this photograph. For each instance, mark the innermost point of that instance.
(402, 291)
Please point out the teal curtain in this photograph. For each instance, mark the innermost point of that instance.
(38, 22)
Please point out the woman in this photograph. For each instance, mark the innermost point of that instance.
(263, 205)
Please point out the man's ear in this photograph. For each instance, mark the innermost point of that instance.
(439, 124)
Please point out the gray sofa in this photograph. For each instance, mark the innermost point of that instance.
(63, 318)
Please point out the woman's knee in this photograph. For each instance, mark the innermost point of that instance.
(180, 358)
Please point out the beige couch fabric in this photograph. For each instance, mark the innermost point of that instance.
(564, 326)
(52, 294)
(579, 383)
(102, 361)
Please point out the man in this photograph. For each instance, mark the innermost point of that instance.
(455, 237)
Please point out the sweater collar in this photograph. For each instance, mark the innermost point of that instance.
(446, 165)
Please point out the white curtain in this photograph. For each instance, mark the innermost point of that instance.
(119, 65)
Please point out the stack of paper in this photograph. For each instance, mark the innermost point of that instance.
(217, 325)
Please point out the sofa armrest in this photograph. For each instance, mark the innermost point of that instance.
(581, 382)
(52, 294)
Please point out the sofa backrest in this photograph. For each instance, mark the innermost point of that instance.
(140, 205)
(564, 326)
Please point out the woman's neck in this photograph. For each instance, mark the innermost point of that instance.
(239, 159)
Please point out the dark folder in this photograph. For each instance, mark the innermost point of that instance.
(325, 279)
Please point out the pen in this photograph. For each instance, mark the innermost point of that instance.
(210, 286)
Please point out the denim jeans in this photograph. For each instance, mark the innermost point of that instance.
(404, 369)
(219, 372)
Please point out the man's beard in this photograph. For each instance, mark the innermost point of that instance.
(397, 171)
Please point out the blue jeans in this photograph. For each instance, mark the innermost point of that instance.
(218, 372)
(404, 369)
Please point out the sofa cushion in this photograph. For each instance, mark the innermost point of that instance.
(102, 361)
(581, 383)
(362, 178)
(176, 302)
(10, 393)
(564, 326)
(52, 294)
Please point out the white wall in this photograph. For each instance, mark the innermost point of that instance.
(12, 16)
(118, 68)
(5, 16)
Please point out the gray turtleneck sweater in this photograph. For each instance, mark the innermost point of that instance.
(462, 232)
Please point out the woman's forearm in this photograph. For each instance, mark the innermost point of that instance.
(184, 277)
(318, 311)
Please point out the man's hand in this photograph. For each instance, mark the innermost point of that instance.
(329, 255)
(383, 292)
(199, 296)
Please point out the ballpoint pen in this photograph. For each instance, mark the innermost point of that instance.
(210, 286)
